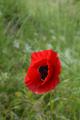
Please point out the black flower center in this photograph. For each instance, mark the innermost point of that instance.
(43, 71)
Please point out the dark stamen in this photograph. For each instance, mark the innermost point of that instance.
(43, 71)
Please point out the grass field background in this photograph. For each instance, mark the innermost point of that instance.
(33, 25)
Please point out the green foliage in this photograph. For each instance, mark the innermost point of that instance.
(31, 25)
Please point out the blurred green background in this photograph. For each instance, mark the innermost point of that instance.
(32, 25)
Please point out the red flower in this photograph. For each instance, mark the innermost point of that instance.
(43, 73)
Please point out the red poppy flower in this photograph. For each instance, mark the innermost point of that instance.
(43, 73)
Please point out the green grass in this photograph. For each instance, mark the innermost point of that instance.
(33, 25)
